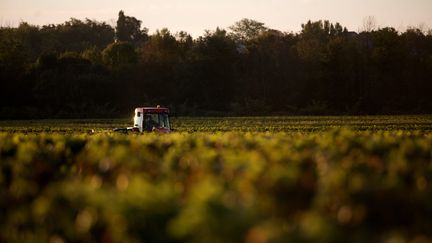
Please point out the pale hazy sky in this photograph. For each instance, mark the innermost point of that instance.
(194, 16)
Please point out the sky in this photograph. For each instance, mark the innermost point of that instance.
(195, 16)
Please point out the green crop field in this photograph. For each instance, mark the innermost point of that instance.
(242, 179)
(241, 124)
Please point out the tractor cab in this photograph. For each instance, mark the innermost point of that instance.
(148, 119)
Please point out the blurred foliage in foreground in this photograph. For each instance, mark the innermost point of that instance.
(330, 186)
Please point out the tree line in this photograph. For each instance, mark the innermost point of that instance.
(91, 69)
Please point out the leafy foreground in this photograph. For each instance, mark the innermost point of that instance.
(333, 186)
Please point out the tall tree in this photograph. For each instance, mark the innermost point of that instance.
(129, 29)
(247, 29)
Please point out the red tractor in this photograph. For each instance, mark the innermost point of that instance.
(150, 119)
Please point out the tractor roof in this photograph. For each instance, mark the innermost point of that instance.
(156, 109)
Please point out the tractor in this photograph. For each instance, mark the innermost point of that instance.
(149, 119)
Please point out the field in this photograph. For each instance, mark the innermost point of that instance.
(253, 179)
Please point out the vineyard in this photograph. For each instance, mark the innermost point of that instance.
(253, 179)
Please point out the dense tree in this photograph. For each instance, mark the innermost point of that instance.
(93, 54)
(30, 39)
(161, 47)
(80, 35)
(13, 62)
(119, 53)
(159, 60)
(85, 68)
(213, 63)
